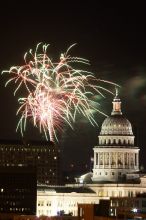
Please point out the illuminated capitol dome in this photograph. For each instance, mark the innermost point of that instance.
(115, 171)
(116, 158)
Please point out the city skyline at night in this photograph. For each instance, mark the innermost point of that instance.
(113, 39)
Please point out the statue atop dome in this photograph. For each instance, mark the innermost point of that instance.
(116, 104)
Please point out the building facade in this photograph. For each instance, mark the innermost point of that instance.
(18, 190)
(116, 156)
(115, 170)
(44, 156)
(128, 207)
(50, 201)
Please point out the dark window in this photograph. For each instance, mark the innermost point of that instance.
(143, 203)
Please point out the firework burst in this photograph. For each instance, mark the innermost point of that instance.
(56, 91)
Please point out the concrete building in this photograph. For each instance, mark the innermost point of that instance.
(128, 207)
(51, 200)
(18, 190)
(44, 156)
(116, 156)
(115, 170)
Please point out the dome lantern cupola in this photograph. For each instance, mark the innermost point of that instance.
(116, 124)
(116, 105)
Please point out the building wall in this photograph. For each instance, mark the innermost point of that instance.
(44, 156)
(49, 202)
(18, 189)
(113, 163)
(128, 207)
(86, 211)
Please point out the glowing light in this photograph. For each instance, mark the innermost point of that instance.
(56, 91)
(134, 210)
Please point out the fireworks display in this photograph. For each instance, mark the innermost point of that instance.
(56, 91)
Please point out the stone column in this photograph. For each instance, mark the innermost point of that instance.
(101, 156)
(116, 159)
(138, 160)
(97, 159)
(128, 155)
(110, 160)
(123, 160)
(94, 165)
(130, 160)
(103, 159)
(135, 159)
(127, 160)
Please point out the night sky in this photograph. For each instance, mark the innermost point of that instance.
(113, 38)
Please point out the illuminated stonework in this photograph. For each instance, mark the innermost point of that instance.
(116, 156)
(51, 200)
(116, 162)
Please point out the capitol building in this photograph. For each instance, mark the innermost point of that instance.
(115, 170)
(116, 157)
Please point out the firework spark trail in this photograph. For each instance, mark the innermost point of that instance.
(56, 91)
